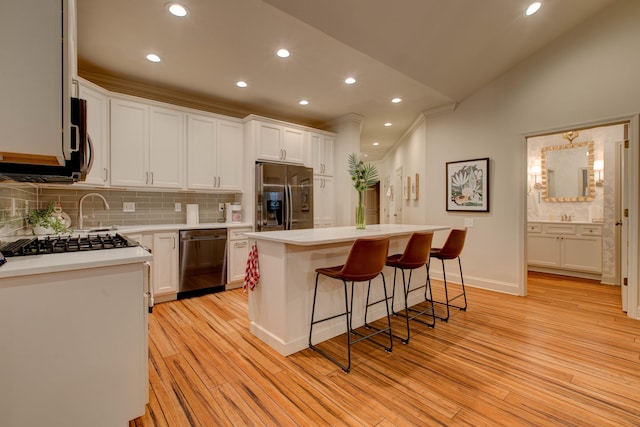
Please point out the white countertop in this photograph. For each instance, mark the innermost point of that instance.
(130, 229)
(53, 263)
(320, 236)
(546, 221)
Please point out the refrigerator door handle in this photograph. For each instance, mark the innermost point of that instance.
(288, 210)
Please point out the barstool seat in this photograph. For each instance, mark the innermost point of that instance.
(451, 250)
(364, 263)
(415, 255)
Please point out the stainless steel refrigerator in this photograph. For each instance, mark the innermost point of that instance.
(284, 197)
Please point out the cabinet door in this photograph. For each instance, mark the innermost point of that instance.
(129, 143)
(293, 141)
(327, 155)
(582, 253)
(201, 152)
(323, 202)
(543, 251)
(238, 253)
(165, 263)
(97, 122)
(269, 142)
(229, 155)
(166, 148)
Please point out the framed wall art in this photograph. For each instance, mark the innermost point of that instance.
(468, 185)
(415, 190)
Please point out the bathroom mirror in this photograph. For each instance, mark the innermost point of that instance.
(567, 173)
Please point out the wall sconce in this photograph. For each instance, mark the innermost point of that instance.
(536, 171)
(598, 166)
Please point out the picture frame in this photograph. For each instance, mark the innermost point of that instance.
(406, 187)
(468, 185)
(415, 190)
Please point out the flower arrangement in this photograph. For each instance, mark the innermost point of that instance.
(46, 221)
(363, 176)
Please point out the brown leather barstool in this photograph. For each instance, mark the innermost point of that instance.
(451, 250)
(365, 262)
(415, 255)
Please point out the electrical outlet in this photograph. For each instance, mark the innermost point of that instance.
(178, 207)
(468, 222)
(129, 207)
(220, 207)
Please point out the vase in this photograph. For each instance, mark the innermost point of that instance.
(361, 221)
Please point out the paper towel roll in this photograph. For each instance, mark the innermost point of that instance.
(193, 214)
(227, 212)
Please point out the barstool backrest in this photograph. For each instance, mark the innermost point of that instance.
(366, 259)
(416, 253)
(453, 245)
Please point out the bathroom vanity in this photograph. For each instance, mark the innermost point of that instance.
(569, 248)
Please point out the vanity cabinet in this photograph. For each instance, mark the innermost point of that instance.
(214, 154)
(565, 246)
(147, 144)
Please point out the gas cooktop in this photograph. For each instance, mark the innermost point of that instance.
(62, 244)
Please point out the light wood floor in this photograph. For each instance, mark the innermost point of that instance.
(563, 356)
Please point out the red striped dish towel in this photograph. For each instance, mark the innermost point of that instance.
(252, 272)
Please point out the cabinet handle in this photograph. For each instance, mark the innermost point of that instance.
(146, 177)
(285, 154)
(106, 174)
(151, 178)
(240, 244)
(219, 182)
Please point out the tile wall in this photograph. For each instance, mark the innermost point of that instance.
(150, 207)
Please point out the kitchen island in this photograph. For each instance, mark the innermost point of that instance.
(280, 305)
(73, 328)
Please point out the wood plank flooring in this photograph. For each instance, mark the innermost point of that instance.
(565, 355)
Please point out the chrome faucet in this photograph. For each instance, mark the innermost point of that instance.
(80, 216)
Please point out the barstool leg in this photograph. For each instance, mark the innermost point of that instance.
(464, 293)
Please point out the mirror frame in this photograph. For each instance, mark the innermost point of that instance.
(590, 160)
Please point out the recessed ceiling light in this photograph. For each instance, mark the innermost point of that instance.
(349, 80)
(153, 57)
(533, 8)
(396, 100)
(177, 9)
(303, 102)
(283, 53)
(376, 143)
(241, 84)
(388, 124)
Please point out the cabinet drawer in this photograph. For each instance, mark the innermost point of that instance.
(560, 229)
(534, 228)
(238, 233)
(588, 230)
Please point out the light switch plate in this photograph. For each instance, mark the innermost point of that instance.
(129, 207)
(468, 222)
(178, 207)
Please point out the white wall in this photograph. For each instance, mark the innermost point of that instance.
(587, 76)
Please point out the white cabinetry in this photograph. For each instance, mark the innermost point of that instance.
(147, 144)
(36, 85)
(238, 253)
(323, 202)
(278, 143)
(98, 130)
(214, 154)
(322, 154)
(574, 247)
(164, 272)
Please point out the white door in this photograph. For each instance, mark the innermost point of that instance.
(397, 199)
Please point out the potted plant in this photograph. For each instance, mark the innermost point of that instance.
(46, 221)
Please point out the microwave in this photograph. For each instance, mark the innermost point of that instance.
(76, 165)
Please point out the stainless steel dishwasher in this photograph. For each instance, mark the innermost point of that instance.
(203, 262)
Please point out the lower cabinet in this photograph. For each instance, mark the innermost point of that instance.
(575, 247)
(238, 253)
(165, 264)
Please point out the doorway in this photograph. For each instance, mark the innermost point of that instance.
(595, 209)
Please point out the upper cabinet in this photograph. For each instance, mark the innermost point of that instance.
(322, 154)
(214, 154)
(38, 55)
(98, 130)
(277, 142)
(147, 145)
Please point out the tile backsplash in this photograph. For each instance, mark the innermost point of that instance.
(150, 207)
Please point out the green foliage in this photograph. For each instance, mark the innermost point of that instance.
(363, 175)
(46, 219)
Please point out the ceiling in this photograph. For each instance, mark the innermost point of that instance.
(430, 53)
